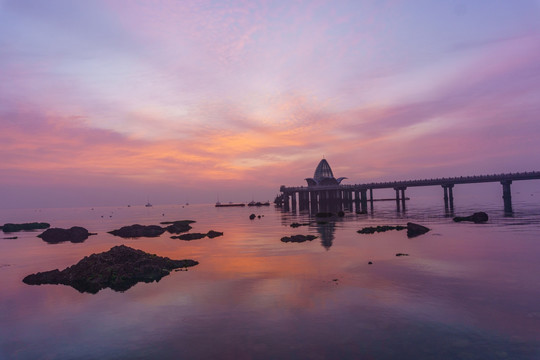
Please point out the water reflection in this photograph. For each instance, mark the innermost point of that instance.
(458, 295)
(326, 230)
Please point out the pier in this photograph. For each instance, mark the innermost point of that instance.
(323, 190)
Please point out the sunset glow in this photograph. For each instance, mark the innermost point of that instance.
(112, 102)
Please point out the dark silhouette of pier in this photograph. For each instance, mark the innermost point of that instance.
(324, 191)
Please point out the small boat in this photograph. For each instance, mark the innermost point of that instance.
(230, 204)
(148, 204)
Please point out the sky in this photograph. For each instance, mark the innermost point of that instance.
(113, 102)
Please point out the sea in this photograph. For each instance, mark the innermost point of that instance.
(463, 291)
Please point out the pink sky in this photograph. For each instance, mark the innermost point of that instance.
(115, 102)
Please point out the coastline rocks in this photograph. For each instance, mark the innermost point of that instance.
(298, 238)
(119, 269)
(415, 229)
(477, 217)
(76, 234)
(383, 228)
(136, 230)
(9, 227)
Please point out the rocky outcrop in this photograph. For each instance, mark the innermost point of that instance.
(9, 227)
(119, 269)
(136, 230)
(298, 238)
(189, 237)
(414, 230)
(477, 218)
(380, 228)
(177, 227)
(76, 234)
(212, 234)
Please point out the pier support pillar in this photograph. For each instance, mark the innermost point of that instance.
(303, 200)
(286, 201)
(448, 196)
(363, 200)
(507, 196)
(293, 201)
(314, 202)
(402, 190)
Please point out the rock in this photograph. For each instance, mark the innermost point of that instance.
(324, 214)
(11, 238)
(177, 227)
(295, 224)
(252, 216)
(187, 222)
(298, 238)
(9, 227)
(119, 269)
(402, 254)
(380, 228)
(341, 214)
(76, 234)
(477, 217)
(136, 230)
(212, 234)
(415, 229)
(188, 237)
(370, 263)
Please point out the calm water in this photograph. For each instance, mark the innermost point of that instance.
(467, 291)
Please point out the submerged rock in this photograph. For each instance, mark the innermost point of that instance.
(477, 217)
(380, 228)
(9, 227)
(295, 224)
(402, 254)
(298, 238)
(415, 229)
(188, 237)
(136, 230)
(119, 269)
(76, 234)
(212, 234)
